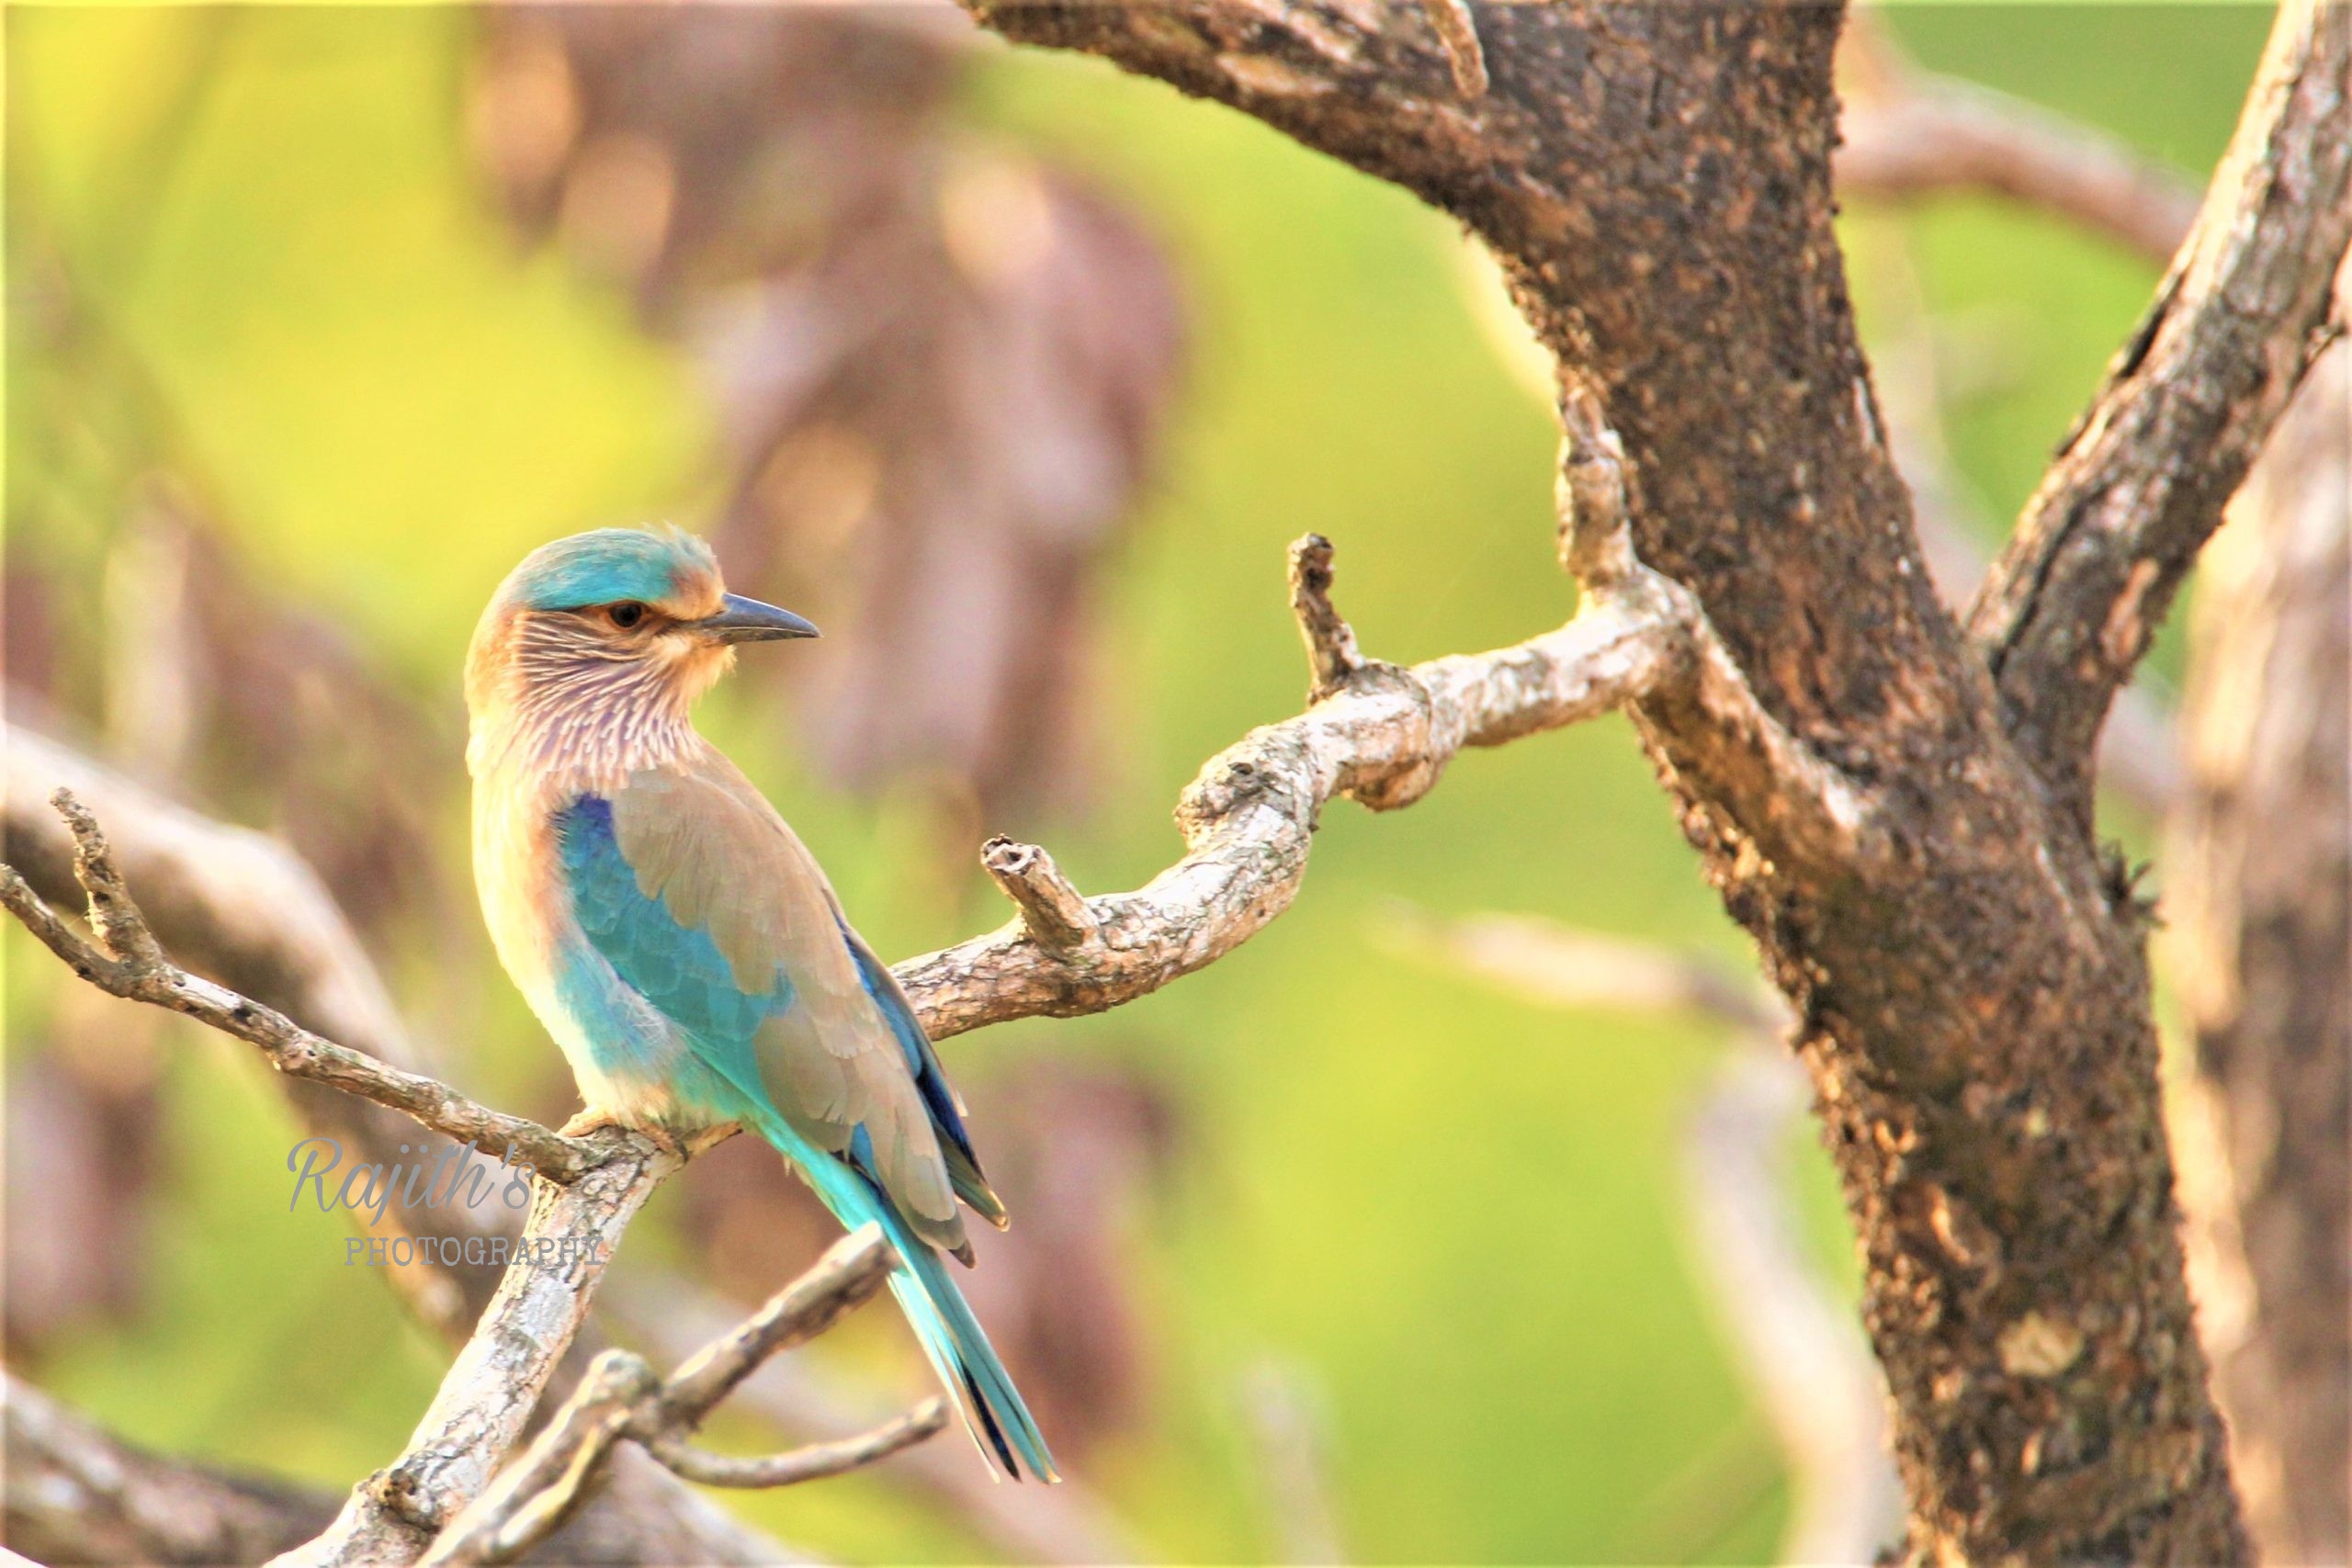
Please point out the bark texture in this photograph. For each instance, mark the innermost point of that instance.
(2140, 484)
(2258, 907)
(1968, 974)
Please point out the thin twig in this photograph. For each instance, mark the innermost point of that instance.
(126, 961)
(814, 1463)
(848, 1273)
(673, 1316)
(622, 1398)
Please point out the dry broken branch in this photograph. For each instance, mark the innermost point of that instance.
(1054, 911)
(126, 961)
(1331, 656)
(622, 1397)
(2140, 486)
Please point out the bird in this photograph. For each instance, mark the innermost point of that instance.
(681, 944)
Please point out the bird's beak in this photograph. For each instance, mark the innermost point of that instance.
(748, 620)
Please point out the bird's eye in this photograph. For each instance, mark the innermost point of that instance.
(627, 614)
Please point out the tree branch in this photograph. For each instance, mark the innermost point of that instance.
(621, 1397)
(126, 961)
(241, 909)
(76, 1494)
(671, 1316)
(1249, 819)
(2140, 486)
(495, 1382)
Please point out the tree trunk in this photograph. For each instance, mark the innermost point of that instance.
(1968, 967)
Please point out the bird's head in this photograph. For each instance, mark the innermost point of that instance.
(611, 626)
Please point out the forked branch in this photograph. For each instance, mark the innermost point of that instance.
(623, 1399)
(1381, 735)
(2104, 544)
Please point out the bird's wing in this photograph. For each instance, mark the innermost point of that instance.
(687, 882)
(939, 1097)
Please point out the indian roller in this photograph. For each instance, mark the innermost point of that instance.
(681, 944)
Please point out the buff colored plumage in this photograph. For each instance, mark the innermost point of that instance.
(680, 942)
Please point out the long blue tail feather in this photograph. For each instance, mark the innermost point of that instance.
(943, 1324)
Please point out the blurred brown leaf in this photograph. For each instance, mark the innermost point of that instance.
(942, 364)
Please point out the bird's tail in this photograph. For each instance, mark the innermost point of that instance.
(993, 1410)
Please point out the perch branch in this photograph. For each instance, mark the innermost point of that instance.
(1248, 818)
(1384, 741)
(126, 961)
(496, 1381)
(2140, 486)
(622, 1397)
(242, 908)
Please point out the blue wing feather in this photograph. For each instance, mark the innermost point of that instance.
(946, 1116)
(678, 968)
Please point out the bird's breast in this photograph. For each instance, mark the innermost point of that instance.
(622, 1051)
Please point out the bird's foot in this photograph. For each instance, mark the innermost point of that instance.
(595, 1119)
(681, 1144)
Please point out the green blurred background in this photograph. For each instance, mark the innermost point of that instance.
(255, 251)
